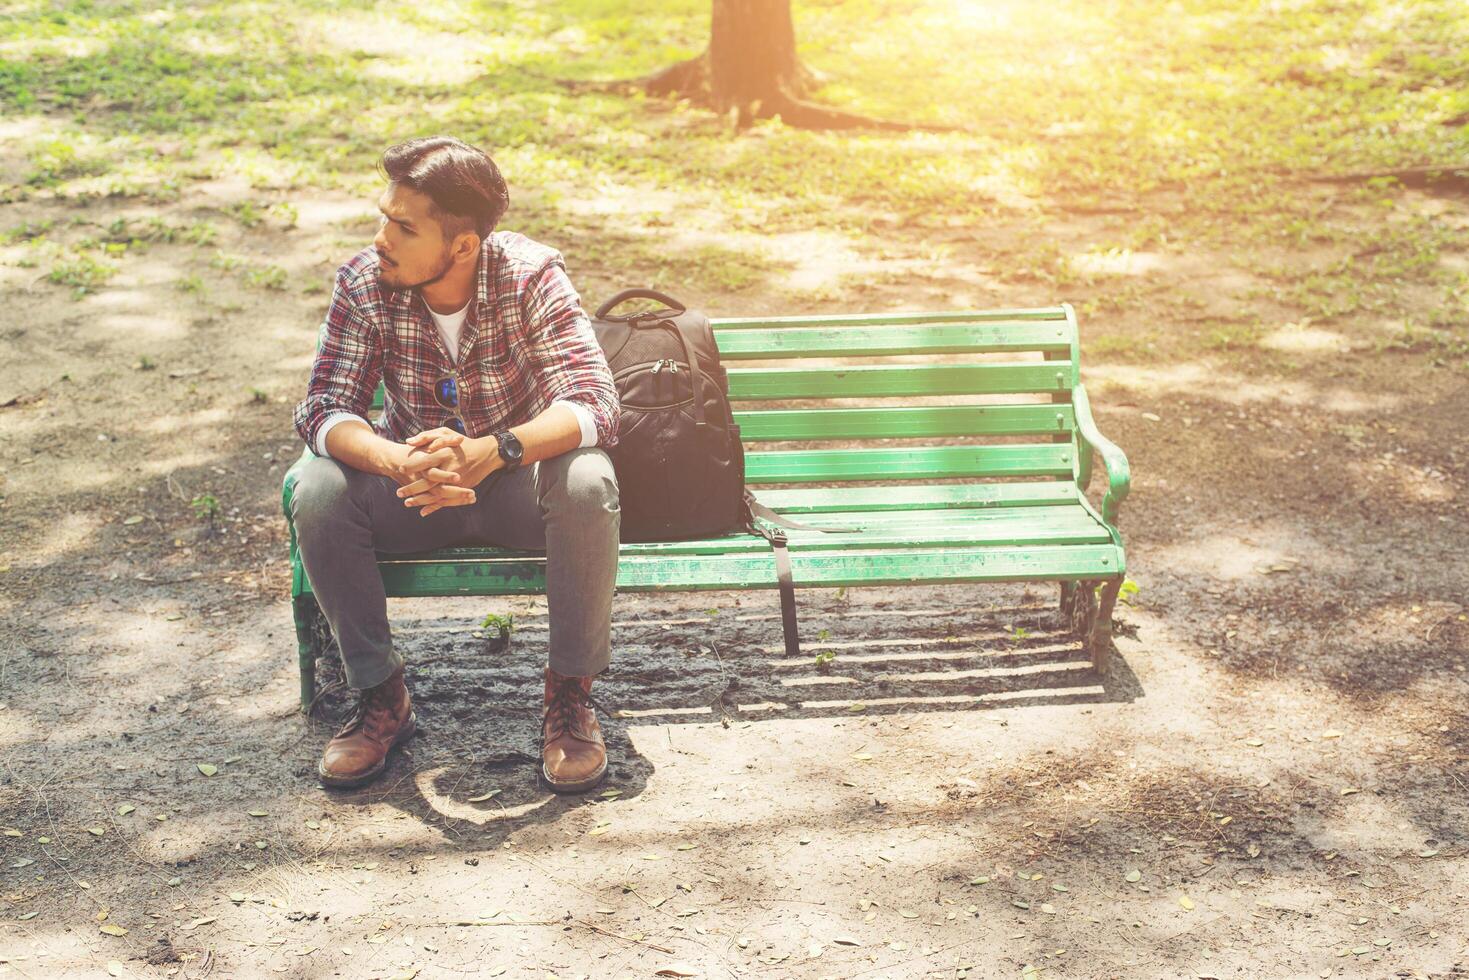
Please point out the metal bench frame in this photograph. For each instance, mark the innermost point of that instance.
(950, 508)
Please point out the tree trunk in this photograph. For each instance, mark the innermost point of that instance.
(751, 66)
(752, 56)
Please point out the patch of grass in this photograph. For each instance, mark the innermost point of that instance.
(189, 284)
(269, 277)
(57, 160)
(1234, 337)
(83, 274)
(206, 508)
(247, 213)
(26, 231)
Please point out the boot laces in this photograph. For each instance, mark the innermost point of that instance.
(358, 714)
(566, 698)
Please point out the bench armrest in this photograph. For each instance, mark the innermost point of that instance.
(1119, 478)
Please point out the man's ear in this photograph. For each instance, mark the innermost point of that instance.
(466, 247)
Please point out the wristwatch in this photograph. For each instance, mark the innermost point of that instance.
(510, 449)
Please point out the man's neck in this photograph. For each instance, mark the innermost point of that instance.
(451, 293)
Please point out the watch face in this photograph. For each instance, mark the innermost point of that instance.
(510, 448)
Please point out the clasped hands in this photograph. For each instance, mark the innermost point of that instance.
(440, 468)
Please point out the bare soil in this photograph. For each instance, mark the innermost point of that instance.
(1270, 782)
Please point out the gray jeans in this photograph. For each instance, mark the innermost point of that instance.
(566, 506)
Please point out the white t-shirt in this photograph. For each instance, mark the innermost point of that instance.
(451, 325)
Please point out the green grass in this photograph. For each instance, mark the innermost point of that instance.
(1097, 101)
(1221, 105)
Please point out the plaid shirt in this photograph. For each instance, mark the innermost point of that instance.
(526, 342)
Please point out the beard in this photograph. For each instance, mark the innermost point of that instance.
(391, 276)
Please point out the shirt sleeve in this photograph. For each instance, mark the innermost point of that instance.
(583, 419)
(568, 361)
(319, 446)
(346, 372)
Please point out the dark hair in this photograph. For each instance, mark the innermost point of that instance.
(461, 180)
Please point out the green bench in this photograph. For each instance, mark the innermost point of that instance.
(983, 479)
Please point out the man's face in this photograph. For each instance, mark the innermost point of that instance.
(410, 244)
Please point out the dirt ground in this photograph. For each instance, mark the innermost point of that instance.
(1271, 781)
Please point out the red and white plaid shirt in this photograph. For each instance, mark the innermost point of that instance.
(525, 343)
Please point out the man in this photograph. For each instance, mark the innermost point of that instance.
(498, 406)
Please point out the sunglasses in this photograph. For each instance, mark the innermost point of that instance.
(446, 394)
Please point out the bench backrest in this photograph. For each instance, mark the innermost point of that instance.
(994, 386)
(995, 390)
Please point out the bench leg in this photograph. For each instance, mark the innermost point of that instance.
(1068, 597)
(1098, 635)
(312, 633)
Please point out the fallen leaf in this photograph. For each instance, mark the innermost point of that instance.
(1349, 790)
(1428, 853)
(1186, 902)
(257, 813)
(208, 769)
(845, 941)
(135, 519)
(908, 913)
(1257, 742)
(114, 930)
(981, 880)
(125, 809)
(484, 796)
(1133, 875)
(677, 970)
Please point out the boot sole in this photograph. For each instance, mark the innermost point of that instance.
(580, 786)
(408, 730)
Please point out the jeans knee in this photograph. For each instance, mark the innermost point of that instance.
(581, 482)
(320, 488)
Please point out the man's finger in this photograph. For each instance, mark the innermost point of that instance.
(417, 463)
(427, 481)
(446, 495)
(445, 442)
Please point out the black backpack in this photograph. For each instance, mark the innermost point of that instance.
(679, 460)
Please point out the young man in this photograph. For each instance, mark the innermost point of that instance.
(498, 403)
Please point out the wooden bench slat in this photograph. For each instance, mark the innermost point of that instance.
(899, 423)
(872, 341)
(897, 380)
(907, 463)
(887, 319)
(525, 574)
(880, 530)
(817, 500)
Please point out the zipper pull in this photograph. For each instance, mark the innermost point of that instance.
(658, 365)
(672, 366)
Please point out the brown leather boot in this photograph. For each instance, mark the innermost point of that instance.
(382, 717)
(573, 756)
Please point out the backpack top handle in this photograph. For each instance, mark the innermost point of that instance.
(627, 294)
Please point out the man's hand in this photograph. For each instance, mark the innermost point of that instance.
(443, 467)
(436, 484)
